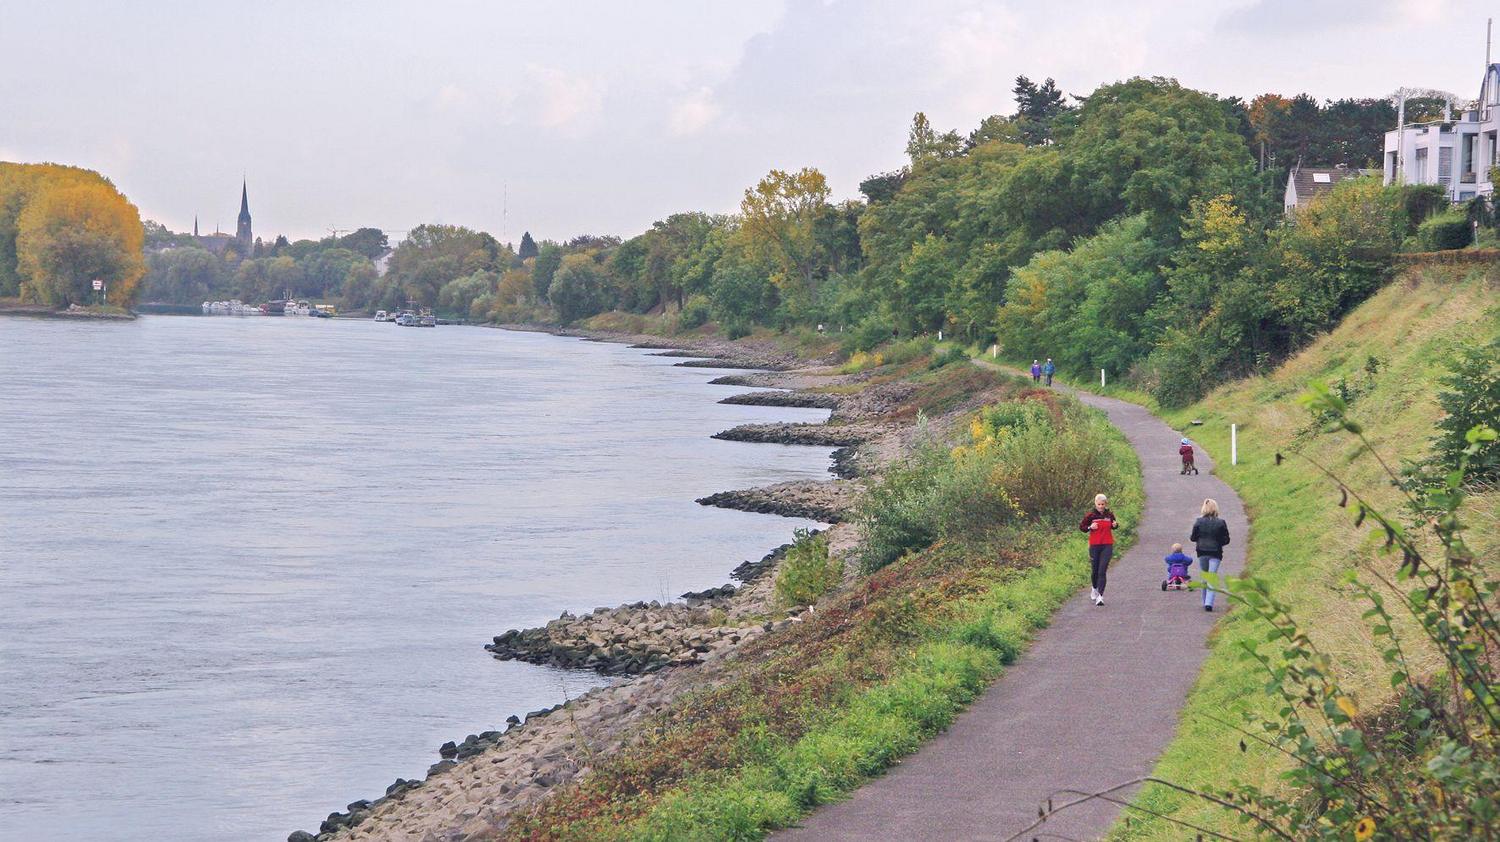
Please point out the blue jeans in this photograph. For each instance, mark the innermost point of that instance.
(1209, 564)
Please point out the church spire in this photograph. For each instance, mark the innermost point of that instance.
(242, 230)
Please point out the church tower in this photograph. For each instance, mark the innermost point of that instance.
(242, 232)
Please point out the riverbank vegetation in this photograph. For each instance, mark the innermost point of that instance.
(1411, 366)
(886, 662)
(61, 228)
(1132, 230)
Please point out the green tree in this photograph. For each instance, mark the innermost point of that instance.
(528, 247)
(1037, 107)
(579, 288)
(548, 259)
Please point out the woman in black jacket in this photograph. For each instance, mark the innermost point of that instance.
(1210, 537)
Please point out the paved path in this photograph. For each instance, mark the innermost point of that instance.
(1092, 702)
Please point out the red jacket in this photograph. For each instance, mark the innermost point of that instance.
(1186, 452)
(1105, 534)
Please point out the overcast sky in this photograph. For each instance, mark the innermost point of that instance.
(565, 118)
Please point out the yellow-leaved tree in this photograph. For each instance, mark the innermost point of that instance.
(778, 216)
(60, 229)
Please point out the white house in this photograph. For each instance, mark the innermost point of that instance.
(1457, 152)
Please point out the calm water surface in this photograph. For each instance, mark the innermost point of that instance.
(247, 565)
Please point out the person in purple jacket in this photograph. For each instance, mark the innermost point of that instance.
(1036, 371)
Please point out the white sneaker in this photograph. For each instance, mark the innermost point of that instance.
(1099, 600)
(1094, 595)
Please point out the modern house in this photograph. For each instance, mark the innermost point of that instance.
(1303, 184)
(1456, 152)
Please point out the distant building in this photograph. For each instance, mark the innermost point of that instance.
(1456, 152)
(243, 239)
(1303, 184)
(242, 231)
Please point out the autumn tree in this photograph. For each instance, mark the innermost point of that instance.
(778, 217)
(70, 235)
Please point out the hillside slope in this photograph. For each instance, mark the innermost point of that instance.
(1387, 357)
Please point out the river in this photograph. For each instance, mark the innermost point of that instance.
(247, 565)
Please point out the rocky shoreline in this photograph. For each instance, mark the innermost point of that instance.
(801, 400)
(658, 651)
(817, 435)
(826, 502)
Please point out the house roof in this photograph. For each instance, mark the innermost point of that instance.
(1311, 183)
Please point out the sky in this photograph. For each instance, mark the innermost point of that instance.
(567, 118)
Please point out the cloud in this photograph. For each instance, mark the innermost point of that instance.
(1303, 18)
(567, 102)
(695, 113)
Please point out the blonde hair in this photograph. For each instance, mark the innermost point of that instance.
(1210, 508)
(1100, 498)
(1176, 548)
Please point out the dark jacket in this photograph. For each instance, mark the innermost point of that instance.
(1210, 536)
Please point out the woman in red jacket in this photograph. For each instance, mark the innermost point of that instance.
(1100, 523)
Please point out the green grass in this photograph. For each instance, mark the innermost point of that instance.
(1301, 542)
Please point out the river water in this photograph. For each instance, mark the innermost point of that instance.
(247, 565)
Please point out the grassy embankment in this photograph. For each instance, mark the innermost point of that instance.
(1389, 354)
(804, 716)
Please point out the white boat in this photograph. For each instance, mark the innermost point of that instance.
(382, 316)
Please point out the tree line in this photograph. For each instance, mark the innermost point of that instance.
(1136, 229)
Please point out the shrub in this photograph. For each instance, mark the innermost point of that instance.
(869, 333)
(737, 329)
(695, 313)
(808, 571)
(862, 360)
(900, 353)
(1472, 397)
(1421, 201)
(1020, 461)
(952, 355)
(1444, 231)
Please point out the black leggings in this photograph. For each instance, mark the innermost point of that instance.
(1099, 556)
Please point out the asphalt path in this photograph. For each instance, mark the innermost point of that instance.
(1091, 703)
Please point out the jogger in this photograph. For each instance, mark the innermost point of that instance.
(1100, 523)
(1099, 556)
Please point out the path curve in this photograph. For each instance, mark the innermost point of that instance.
(1092, 702)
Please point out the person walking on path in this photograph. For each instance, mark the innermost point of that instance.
(1036, 371)
(1186, 452)
(1100, 523)
(1210, 537)
(1049, 369)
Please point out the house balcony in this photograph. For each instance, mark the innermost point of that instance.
(1467, 178)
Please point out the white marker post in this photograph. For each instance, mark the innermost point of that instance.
(1234, 444)
(994, 351)
(1101, 378)
(940, 336)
